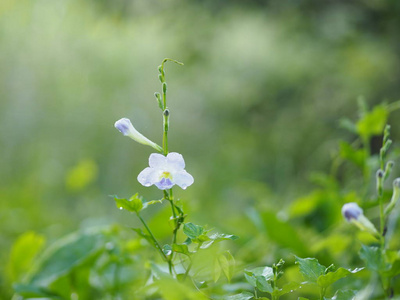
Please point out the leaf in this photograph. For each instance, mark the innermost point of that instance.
(148, 203)
(23, 252)
(288, 288)
(263, 285)
(227, 263)
(331, 277)
(310, 268)
(241, 296)
(266, 272)
(181, 248)
(355, 156)
(192, 231)
(134, 204)
(344, 295)
(217, 270)
(373, 122)
(65, 255)
(217, 237)
(372, 256)
(31, 291)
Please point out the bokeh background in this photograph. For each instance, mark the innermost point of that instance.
(255, 111)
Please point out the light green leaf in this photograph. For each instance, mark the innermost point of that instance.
(227, 263)
(223, 237)
(344, 295)
(148, 203)
(331, 277)
(241, 296)
(31, 291)
(23, 252)
(310, 268)
(181, 248)
(192, 231)
(288, 288)
(217, 270)
(134, 204)
(266, 272)
(355, 156)
(373, 122)
(372, 256)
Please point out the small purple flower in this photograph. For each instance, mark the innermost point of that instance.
(125, 126)
(166, 171)
(351, 211)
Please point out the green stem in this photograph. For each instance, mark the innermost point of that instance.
(157, 245)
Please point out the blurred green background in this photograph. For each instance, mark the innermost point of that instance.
(255, 110)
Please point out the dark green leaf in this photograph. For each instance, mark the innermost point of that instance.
(310, 268)
(181, 248)
(263, 285)
(31, 291)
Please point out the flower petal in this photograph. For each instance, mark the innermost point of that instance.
(176, 160)
(157, 161)
(148, 176)
(164, 184)
(183, 179)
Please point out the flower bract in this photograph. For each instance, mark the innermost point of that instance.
(166, 171)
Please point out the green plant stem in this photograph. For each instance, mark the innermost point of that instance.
(157, 245)
(322, 293)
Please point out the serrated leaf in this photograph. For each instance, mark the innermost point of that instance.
(192, 231)
(241, 296)
(331, 277)
(181, 248)
(372, 256)
(310, 268)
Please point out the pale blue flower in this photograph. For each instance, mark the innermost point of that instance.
(351, 211)
(125, 126)
(166, 171)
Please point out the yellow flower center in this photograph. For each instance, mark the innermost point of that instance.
(166, 175)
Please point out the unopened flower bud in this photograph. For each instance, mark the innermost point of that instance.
(379, 182)
(388, 169)
(395, 196)
(164, 87)
(166, 112)
(159, 100)
(354, 214)
(125, 126)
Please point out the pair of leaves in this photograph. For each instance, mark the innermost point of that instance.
(134, 204)
(198, 234)
(314, 272)
(224, 263)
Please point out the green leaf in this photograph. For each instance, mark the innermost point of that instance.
(355, 156)
(344, 295)
(265, 272)
(310, 268)
(134, 204)
(217, 270)
(144, 235)
(392, 259)
(227, 263)
(331, 277)
(372, 256)
(288, 288)
(148, 203)
(31, 291)
(217, 237)
(241, 296)
(181, 248)
(65, 255)
(263, 285)
(192, 231)
(23, 252)
(373, 122)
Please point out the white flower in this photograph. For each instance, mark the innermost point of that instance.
(125, 126)
(354, 214)
(165, 172)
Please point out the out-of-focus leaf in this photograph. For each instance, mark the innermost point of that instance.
(372, 256)
(392, 259)
(227, 263)
(23, 252)
(331, 277)
(66, 254)
(217, 270)
(80, 176)
(344, 295)
(241, 296)
(355, 156)
(283, 233)
(171, 289)
(143, 235)
(192, 231)
(373, 122)
(310, 268)
(32, 291)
